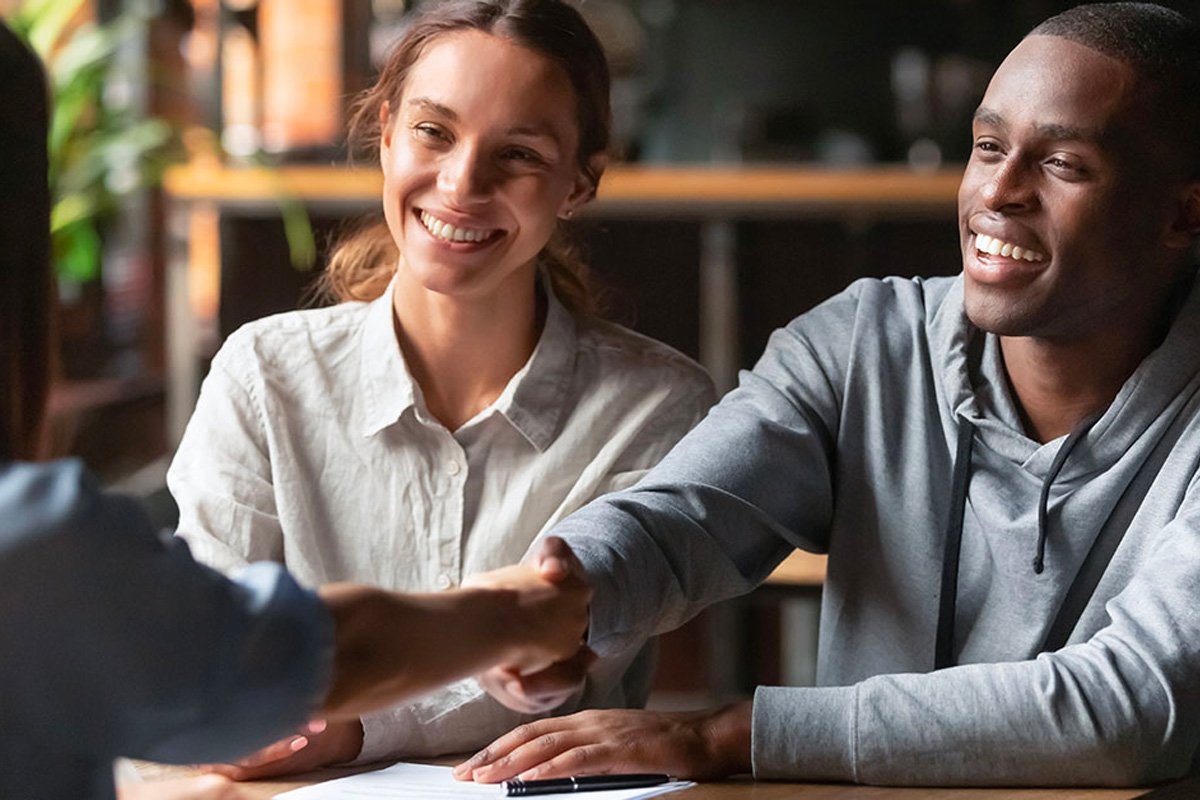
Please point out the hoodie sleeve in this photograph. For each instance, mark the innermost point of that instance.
(1120, 709)
(749, 484)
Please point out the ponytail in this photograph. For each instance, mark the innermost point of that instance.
(360, 267)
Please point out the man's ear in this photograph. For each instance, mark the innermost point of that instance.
(585, 187)
(1186, 228)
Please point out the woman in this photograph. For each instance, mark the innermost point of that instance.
(465, 397)
(114, 642)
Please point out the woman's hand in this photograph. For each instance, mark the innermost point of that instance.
(701, 745)
(318, 745)
(538, 692)
(204, 787)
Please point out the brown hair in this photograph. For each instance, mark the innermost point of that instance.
(360, 266)
(25, 281)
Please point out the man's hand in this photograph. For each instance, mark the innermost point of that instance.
(552, 601)
(536, 691)
(318, 745)
(700, 745)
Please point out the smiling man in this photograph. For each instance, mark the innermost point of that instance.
(1002, 467)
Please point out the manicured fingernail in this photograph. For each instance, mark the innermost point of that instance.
(317, 726)
(298, 744)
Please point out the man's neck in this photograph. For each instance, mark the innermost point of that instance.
(1059, 384)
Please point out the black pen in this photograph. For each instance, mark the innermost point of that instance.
(584, 783)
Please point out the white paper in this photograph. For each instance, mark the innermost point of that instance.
(424, 782)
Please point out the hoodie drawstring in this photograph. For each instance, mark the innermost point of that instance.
(948, 601)
(944, 648)
(1060, 458)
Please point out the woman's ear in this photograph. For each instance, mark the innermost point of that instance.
(385, 128)
(584, 189)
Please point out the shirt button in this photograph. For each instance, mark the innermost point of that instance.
(454, 468)
(444, 582)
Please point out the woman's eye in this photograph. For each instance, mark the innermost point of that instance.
(521, 155)
(431, 133)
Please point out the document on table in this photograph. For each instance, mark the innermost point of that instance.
(424, 782)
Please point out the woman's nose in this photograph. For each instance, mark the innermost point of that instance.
(463, 177)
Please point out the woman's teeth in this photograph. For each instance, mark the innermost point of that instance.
(997, 247)
(449, 233)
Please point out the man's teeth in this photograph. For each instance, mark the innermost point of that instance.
(996, 247)
(448, 233)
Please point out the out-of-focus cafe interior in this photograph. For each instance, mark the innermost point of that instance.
(766, 154)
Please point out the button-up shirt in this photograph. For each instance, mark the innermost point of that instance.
(311, 445)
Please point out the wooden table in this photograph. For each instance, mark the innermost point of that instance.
(741, 789)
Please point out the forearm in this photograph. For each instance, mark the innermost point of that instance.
(1044, 722)
(389, 646)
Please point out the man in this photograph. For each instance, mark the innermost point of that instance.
(115, 642)
(1000, 465)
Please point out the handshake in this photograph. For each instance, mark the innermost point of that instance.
(550, 660)
(519, 629)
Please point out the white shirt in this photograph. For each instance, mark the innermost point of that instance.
(311, 445)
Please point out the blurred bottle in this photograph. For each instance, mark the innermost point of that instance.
(315, 58)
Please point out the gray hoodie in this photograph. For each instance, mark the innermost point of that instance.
(844, 439)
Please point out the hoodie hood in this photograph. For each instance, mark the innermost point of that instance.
(1070, 487)
(975, 388)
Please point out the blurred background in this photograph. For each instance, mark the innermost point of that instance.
(771, 151)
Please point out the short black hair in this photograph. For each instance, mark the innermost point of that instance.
(1162, 46)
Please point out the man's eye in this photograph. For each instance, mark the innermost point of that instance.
(1065, 167)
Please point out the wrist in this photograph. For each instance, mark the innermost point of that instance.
(726, 733)
(350, 744)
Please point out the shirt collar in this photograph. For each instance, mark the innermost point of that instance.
(388, 389)
(532, 401)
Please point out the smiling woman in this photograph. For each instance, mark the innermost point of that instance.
(462, 397)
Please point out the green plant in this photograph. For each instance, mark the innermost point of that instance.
(101, 148)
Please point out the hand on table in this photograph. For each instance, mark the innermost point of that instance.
(318, 745)
(553, 595)
(697, 745)
(204, 787)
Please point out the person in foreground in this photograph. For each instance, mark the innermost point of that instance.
(461, 396)
(1001, 466)
(113, 641)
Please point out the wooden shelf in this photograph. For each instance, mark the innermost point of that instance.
(631, 188)
(799, 569)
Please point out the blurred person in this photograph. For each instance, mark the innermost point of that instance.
(1002, 467)
(463, 396)
(113, 641)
